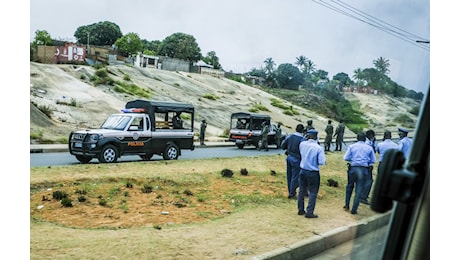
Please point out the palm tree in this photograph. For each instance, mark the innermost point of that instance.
(382, 65)
(269, 65)
(359, 77)
(301, 61)
(309, 67)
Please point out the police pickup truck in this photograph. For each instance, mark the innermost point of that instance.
(143, 128)
(246, 128)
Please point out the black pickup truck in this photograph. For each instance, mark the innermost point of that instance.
(142, 128)
(246, 128)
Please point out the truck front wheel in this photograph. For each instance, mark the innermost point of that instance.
(109, 154)
(171, 152)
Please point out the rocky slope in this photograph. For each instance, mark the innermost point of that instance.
(75, 103)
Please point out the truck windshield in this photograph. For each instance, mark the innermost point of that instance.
(116, 122)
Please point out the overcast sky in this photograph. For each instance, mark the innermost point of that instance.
(338, 36)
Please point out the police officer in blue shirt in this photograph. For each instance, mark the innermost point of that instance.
(312, 156)
(384, 146)
(405, 143)
(359, 157)
(291, 145)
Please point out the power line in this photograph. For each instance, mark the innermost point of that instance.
(352, 12)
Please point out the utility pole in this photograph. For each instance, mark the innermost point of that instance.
(87, 43)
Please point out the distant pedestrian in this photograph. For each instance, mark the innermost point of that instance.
(291, 145)
(339, 132)
(405, 143)
(384, 146)
(312, 156)
(309, 126)
(264, 136)
(359, 157)
(370, 140)
(202, 131)
(278, 135)
(328, 140)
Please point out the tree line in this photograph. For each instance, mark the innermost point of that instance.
(302, 75)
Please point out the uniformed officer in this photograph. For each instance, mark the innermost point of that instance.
(405, 143)
(359, 157)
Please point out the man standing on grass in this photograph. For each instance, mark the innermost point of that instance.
(384, 146)
(312, 156)
(328, 140)
(339, 132)
(405, 143)
(291, 145)
(359, 157)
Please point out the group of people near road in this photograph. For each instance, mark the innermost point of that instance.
(305, 155)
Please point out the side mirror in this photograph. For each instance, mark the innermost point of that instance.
(393, 182)
(133, 128)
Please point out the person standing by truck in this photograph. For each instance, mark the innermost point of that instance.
(202, 131)
(264, 135)
(278, 134)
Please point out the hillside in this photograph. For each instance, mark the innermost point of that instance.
(75, 103)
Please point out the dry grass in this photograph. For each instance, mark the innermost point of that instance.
(208, 216)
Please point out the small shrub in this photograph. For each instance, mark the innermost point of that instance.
(211, 96)
(59, 195)
(126, 77)
(62, 140)
(102, 73)
(81, 198)
(226, 173)
(102, 202)
(36, 135)
(66, 202)
(47, 110)
(147, 188)
(188, 193)
(73, 102)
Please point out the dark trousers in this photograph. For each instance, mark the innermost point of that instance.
(292, 174)
(367, 185)
(356, 177)
(308, 180)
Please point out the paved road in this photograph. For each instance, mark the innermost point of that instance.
(58, 154)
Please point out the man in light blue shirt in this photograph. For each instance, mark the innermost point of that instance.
(312, 156)
(359, 157)
(405, 143)
(384, 146)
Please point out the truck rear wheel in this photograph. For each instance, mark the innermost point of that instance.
(240, 146)
(171, 152)
(109, 154)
